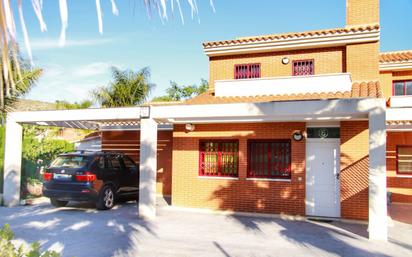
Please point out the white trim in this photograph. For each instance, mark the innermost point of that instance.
(304, 111)
(333, 124)
(271, 179)
(218, 178)
(338, 82)
(395, 114)
(395, 66)
(318, 41)
(403, 176)
(400, 101)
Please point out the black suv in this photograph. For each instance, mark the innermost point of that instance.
(99, 177)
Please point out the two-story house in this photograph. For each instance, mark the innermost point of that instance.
(307, 151)
(292, 124)
(396, 80)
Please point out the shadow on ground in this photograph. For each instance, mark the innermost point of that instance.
(78, 229)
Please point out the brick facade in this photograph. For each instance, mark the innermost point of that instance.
(400, 186)
(354, 176)
(326, 60)
(128, 142)
(388, 77)
(190, 190)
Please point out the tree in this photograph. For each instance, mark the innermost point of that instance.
(128, 88)
(23, 78)
(178, 93)
(64, 105)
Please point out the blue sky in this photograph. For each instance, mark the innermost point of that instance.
(173, 51)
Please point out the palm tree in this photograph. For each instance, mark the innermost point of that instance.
(22, 78)
(177, 93)
(128, 88)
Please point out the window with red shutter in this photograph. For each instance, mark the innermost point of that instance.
(247, 71)
(402, 87)
(269, 159)
(303, 67)
(219, 158)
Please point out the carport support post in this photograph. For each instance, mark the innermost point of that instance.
(378, 227)
(12, 163)
(148, 168)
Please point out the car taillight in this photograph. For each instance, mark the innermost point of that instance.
(47, 176)
(86, 177)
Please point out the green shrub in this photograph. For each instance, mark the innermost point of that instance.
(7, 248)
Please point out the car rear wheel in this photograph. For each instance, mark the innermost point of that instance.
(106, 198)
(58, 203)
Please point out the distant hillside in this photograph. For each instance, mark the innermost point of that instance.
(33, 105)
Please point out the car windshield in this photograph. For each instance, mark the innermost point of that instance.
(69, 161)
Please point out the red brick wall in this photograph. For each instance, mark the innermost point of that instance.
(189, 190)
(401, 187)
(128, 142)
(354, 169)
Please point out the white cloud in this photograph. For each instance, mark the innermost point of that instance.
(70, 83)
(51, 43)
(92, 69)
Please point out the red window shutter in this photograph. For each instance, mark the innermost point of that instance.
(269, 159)
(247, 71)
(219, 158)
(303, 68)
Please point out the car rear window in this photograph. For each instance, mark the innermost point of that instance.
(72, 161)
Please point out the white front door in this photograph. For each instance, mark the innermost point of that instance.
(322, 177)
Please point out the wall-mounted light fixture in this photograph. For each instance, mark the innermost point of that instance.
(298, 135)
(144, 112)
(285, 60)
(189, 127)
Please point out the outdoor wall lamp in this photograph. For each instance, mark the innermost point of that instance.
(189, 127)
(298, 135)
(144, 112)
(285, 60)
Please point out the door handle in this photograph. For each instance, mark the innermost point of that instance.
(337, 175)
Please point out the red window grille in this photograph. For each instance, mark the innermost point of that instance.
(404, 159)
(247, 71)
(303, 67)
(402, 87)
(269, 159)
(219, 158)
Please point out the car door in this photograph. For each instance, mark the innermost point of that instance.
(116, 168)
(131, 172)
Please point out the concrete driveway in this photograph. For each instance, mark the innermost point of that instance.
(80, 230)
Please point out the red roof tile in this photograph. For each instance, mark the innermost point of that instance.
(273, 37)
(370, 89)
(397, 56)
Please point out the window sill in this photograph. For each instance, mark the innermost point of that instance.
(224, 178)
(271, 179)
(404, 176)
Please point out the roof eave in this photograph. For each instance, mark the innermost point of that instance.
(307, 42)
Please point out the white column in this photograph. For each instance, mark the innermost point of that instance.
(378, 227)
(12, 163)
(148, 168)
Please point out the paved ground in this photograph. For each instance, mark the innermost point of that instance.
(80, 230)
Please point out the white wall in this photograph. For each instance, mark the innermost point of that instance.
(284, 85)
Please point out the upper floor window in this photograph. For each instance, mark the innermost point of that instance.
(247, 71)
(402, 87)
(219, 158)
(404, 159)
(303, 68)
